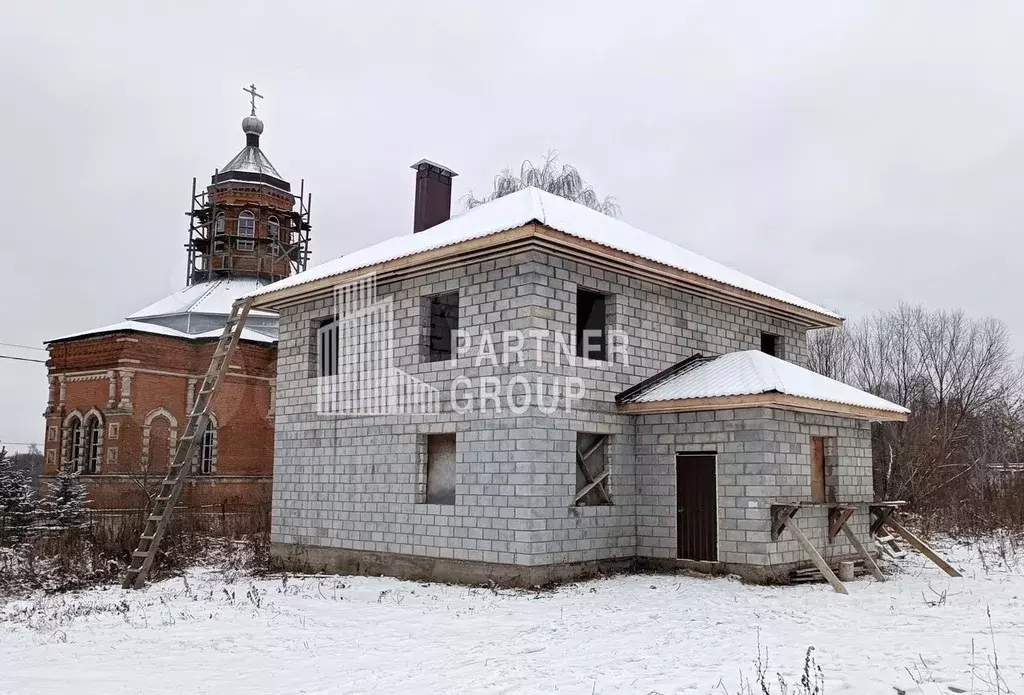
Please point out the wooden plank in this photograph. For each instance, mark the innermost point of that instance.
(837, 518)
(781, 515)
(597, 481)
(757, 400)
(868, 561)
(881, 514)
(817, 469)
(581, 459)
(817, 559)
(923, 547)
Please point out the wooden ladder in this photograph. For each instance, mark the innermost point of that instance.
(198, 420)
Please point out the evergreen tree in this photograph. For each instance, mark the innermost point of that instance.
(66, 505)
(19, 504)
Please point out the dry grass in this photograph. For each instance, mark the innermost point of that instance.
(100, 551)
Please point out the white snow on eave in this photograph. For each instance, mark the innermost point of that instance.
(531, 204)
(154, 329)
(752, 372)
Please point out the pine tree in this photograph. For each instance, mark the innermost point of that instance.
(66, 505)
(19, 504)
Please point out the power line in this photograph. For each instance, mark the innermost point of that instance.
(21, 359)
(24, 347)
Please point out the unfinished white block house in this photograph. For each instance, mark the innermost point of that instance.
(532, 391)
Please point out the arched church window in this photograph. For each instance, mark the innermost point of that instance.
(220, 224)
(208, 451)
(246, 230)
(273, 228)
(93, 442)
(75, 445)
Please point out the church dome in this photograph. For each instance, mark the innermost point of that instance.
(251, 125)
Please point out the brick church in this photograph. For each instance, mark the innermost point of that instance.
(120, 394)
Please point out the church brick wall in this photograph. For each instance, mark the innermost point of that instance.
(126, 376)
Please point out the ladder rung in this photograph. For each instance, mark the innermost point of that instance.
(179, 469)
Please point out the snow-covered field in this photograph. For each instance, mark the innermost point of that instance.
(217, 632)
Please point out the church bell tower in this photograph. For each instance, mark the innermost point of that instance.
(248, 223)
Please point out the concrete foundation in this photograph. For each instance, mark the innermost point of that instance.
(318, 559)
(298, 558)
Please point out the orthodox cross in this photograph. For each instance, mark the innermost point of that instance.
(251, 91)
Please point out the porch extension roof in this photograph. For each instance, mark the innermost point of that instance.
(752, 379)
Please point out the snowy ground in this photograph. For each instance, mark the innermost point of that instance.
(216, 632)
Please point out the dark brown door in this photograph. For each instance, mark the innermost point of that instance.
(697, 507)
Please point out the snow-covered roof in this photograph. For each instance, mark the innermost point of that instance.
(749, 373)
(532, 204)
(251, 160)
(156, 329)
(197, 312)
(214, 297)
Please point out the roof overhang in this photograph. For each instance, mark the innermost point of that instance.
(537, 236)
(248, 335)
(763, 400)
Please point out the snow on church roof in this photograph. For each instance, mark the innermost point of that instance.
(747, 373)
(214, 297)
(528, 205)
(251, 160)
(211, 299)
(157, 329)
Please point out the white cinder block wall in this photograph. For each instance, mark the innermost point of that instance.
(352, 482)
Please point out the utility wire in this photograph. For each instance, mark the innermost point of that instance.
(21, 359)
(24, 347)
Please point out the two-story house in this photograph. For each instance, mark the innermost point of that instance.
(533, 391)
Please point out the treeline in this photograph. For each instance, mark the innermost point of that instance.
(957, 459)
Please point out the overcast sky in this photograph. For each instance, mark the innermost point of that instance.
(857, 154)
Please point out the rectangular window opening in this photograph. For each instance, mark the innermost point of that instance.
(824, 469)
(327, 348)
(592, 474)
(443, 315)
(591, 325)
(771, 344)
(440, 469)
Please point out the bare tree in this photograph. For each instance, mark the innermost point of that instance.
(829, 351)
(962, 383)
(562, 180)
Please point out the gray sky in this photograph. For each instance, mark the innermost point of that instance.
(857, 154)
